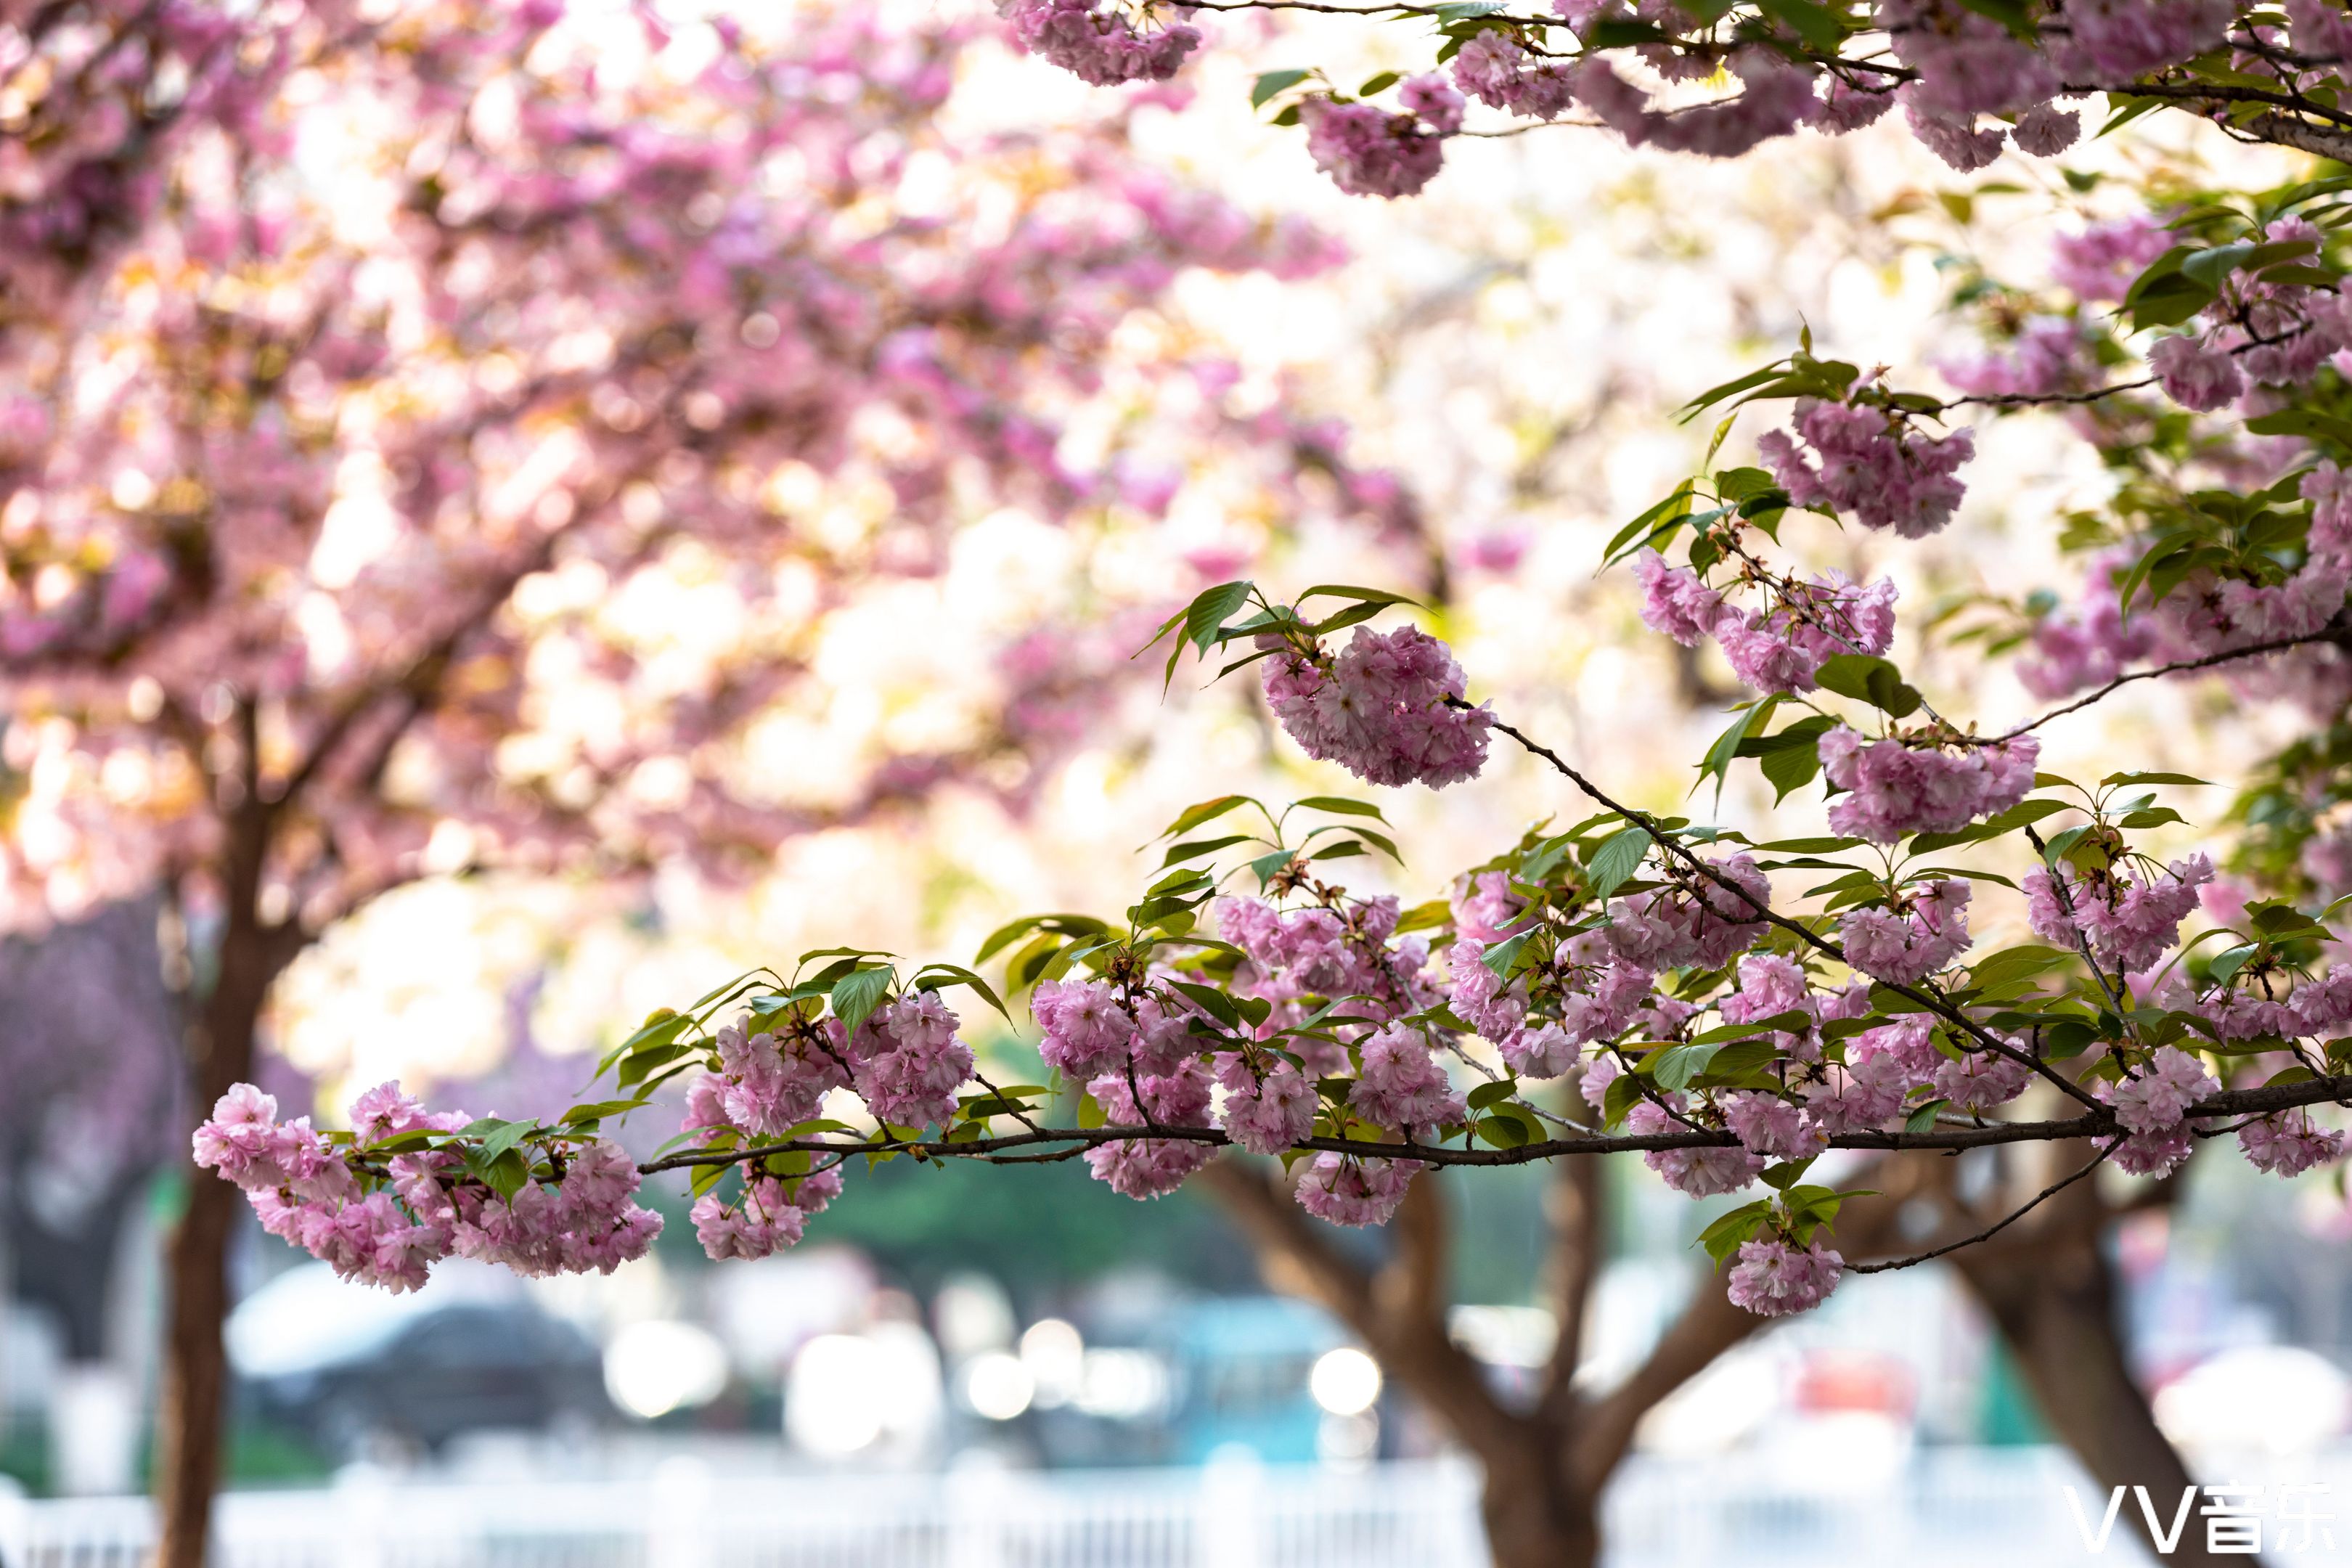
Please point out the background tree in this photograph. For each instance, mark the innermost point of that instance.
(460, 466)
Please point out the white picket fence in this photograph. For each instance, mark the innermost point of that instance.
(1950, 1509)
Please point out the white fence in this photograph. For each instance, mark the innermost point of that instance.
(1953, 1509)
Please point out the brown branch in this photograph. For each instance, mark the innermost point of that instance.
(2336, 1091)
(2332, 632)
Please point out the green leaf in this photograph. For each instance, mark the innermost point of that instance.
(1786, 1174)
(599, 1111)
(1923, 1119)
(1658, 522)
(2011, 965)
(1193, 848)
(956, 975)
(1381, 82)
(1722, 1239)
(1500, 957)
(1867, 680)
(659, 1029)
(2147, 779)
(1267, 865)
(1673, 1067)
(1813, 24)
(858, 993)
(1486, 1094)
(1269, 83)
(1361, 596)
(1729, 744)
(1342, 806)
(1615, 861)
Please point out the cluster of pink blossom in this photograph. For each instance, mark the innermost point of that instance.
(1265, 1110)
(764, 1086)
(1770, 986)
(2258, 331)
(1968, 64)
(1701, 922)
(1914, 784)
(1493, 68)
(1906, 947)
(1100, 45)
(1401, 1085)
(1151, 1167)
(1480, 997)
(2050, 355)
(1775, 1277)
(246, 1142)
(1369, 152)
(1348, 1189)
(1483, 907)
(304, 1191)
(2092, 643)
(1981, 1080)
(1088, 1031)
(1776, 98)
(2152, 1106)
(1772, 1127)
(2116, 40)
(1868, 464)
(2128, 922)
(1781, 648)
(1871, 1084)
(2287, 1143)
(1600, 1002)
(769, 1216)
(1326, 953)
(1701, 1172)
(1385, 709)
(2206, 615)
(908, 1062)
(2097, 264)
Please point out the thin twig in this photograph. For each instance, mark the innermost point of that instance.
(2053, 1190)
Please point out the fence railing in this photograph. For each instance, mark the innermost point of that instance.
(1945, 1509)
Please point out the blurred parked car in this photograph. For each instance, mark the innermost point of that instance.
(349, 1367)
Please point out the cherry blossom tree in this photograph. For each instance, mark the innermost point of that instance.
(454, 458)
(1811, 1019)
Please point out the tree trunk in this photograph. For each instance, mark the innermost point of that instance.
(2053, 1302)
(195, 1359)
(1534, 1516)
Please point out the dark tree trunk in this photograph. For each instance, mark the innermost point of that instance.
(2053, 1302)
(1535, 1515)
(195, 1359)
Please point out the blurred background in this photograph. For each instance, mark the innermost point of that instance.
(1464, 395)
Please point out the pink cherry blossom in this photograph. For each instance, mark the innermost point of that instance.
(1401, 1085)
(909, 1062)
(1153, 1167)
(1098, 45)
(1700, 1173)
(1382, 709)
(1369, 152)
(2129, 923)
(1266, 1111)
(1354, 1191)
(1893, 787)
(1774, 1278)
(1905, 948)
(2287, 1143)
(1863, 463)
